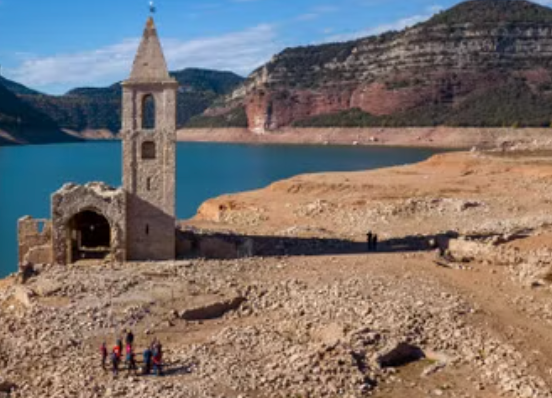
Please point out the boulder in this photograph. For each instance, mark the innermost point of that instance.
(401, 355)
(47, 287)
(6, 386)
(212, 310)
(23, 295)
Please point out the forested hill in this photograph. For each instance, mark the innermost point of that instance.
(100, 108)
(21, 123)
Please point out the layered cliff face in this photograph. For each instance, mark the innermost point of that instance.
(496, 54)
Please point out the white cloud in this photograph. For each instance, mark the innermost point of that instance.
(395, 25)
(317, 12)
(240, 52)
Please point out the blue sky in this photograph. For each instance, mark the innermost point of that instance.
(55, 45)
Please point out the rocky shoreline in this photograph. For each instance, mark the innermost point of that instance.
(422, 137)
(430, 137)
(472, 321)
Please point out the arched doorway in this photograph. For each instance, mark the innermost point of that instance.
(89, 235)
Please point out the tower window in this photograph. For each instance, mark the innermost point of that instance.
(148, 150)
(147, 229)
(148, 184)
(148, 112)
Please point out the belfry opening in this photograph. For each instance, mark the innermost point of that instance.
(90, 236)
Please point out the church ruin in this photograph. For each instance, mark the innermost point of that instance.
(136, 222)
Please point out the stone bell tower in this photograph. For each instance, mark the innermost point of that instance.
(149, 152)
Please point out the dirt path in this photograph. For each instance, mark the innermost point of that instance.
(494, 293)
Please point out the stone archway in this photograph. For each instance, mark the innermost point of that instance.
(89, 236)
(72, 206)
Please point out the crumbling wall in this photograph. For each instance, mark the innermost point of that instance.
(73, 199)
(208, 245)
(35, 241)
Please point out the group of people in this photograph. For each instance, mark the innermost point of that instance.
(371, 241)
(152, 356)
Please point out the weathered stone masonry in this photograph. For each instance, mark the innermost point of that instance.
(72, 200)
(149, 153)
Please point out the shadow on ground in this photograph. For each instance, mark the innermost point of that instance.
(195, 243)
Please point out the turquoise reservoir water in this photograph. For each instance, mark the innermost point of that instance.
(28, 175)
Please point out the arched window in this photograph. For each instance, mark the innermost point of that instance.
(148, 150)
(148, 112)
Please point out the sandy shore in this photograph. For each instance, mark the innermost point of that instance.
(441, 137)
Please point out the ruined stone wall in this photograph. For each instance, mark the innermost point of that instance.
(35, 241)
(97, 197)
(208, 244)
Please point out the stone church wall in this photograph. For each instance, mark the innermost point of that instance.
(35, 241)
(73, 199)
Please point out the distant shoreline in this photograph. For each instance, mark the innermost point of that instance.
(414, 137)
(422, 137)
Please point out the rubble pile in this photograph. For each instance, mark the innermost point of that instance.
(286, 336)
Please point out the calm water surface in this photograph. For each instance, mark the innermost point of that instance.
(28, 175)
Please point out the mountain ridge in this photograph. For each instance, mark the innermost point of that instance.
(99, 108)
(479, 63)
(22, 124)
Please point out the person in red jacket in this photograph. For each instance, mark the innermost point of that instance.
(117, 351)
(158, 360)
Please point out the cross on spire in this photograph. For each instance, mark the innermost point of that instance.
(152, 7)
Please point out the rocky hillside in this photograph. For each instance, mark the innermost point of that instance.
(481, 63)
(100, 108)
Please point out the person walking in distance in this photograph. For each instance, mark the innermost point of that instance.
(115, 363)
(148, 355)
(369, 241)
(120, 345)
(117, 350)
(158, 360)
(103, 352)
(375, 243)
(130, 360)
(129, 339)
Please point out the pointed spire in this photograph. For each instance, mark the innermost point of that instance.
(149, 64)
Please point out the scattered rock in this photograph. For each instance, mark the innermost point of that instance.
(213, 310)
(401, 355)
(23, 295)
